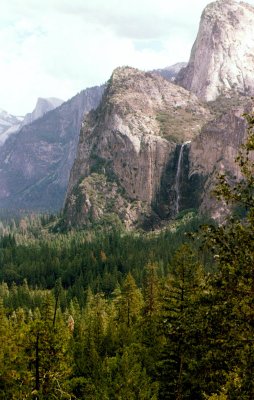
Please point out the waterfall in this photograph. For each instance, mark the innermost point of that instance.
(178, 175)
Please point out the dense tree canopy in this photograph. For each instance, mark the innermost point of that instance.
(117, 315)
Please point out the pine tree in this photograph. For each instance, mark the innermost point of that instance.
(47, 345)
(149, 324)
(127, 378)
(181, 293)
(231, 310)
(131, 302)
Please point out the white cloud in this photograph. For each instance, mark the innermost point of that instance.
(59, 47)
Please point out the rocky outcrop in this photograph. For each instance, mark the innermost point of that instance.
(147, 150)
(151, 149)
(35, 163)
(127, 145)
(214, 152)
(222, 55)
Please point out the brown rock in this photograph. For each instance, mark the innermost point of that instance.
(126, 145)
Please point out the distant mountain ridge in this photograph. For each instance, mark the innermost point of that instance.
(148, 148)
(42, 107)
(170, 73)
(10, 124)
(35, 162)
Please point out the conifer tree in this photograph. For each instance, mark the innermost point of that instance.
(131, 302)
(149, 323)
(178, 306)
(47, 345)
(231, 310)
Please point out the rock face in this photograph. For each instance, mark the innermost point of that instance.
(222, 56)
(128, 145)
(213, 152)
(10, 124)
(151, 149)
(35, 163)
(42, 107)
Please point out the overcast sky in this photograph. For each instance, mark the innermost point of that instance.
(55, 48)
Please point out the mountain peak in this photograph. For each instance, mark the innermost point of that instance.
(43, 106)
(127, 145)
(222, 56)
(49, 100)
(123, 73)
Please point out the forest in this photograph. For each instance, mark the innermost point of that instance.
(109, 314)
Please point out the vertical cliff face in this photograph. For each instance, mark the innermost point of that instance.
(214, 152)
(9, 124)
(35, 163)
(220, 71)
(127, 145)
(222, 56)
(151, 148)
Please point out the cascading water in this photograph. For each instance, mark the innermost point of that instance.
(178, 175)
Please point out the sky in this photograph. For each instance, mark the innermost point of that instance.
(56, 48)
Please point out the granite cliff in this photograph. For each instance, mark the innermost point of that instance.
(129, 146)
(222, 57)
(152, 149)
(214, 152)
(10, 124)
(221, 72)
(35, 163)
(148, 148)
(43, 106)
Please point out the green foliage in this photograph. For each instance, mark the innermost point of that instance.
(230, 313)
(180, 295)
(105, 314)
(176, 124)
